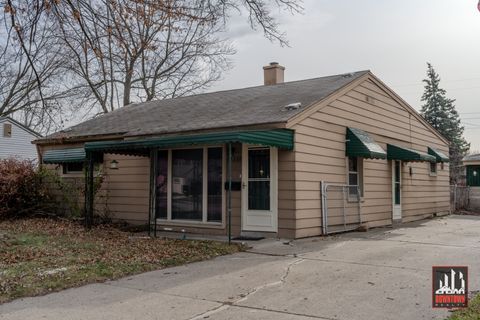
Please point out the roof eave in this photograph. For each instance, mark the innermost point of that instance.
(90, 138)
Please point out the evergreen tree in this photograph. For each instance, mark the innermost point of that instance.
(440, 112)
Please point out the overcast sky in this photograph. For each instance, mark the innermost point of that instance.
(394, 39)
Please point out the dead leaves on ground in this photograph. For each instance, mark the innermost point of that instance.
(30, 249)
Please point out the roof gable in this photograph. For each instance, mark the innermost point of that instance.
(19, 125)
(382, 86)
(406, 106)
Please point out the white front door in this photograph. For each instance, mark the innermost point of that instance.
(259, 189)
(397, 189)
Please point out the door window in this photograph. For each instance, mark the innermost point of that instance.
(397, 181)
(259, 179)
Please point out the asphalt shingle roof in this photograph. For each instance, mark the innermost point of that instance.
(240, 107)
(472, 157)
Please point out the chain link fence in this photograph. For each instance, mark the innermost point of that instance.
(459, 198)
(341, 210)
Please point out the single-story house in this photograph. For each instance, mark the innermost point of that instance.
(285, 159)
(16, 140)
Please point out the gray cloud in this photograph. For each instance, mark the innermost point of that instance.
(394, 39)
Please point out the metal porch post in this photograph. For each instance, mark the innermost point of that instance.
(89, 192)
(152, 221)
(229, 199)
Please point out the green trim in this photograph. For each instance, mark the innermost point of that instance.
(360, 144)
(440, 156)
(64, 156)
(280, 138)
(406, 154)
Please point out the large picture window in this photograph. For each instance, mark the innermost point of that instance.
(187, 181)
(189, 185)
(215, 184)
(161, 185)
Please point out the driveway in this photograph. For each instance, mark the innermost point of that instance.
(380, 274)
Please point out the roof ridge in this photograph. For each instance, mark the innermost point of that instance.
(223, 91)
(246, 88)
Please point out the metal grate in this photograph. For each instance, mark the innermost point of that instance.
(341, 207)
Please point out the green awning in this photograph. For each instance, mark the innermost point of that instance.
(440, 156)
(360, 144)
(280, 138)
(64, 155)
(405, 154)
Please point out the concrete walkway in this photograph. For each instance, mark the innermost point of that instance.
(381, 274)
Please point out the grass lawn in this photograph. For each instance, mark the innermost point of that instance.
(38, 256)
(470, 313)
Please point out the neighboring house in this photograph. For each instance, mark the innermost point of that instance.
(16, 140)
(167, 162)
(472, 166)
(472, 174)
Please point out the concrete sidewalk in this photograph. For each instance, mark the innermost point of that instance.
(381, 274)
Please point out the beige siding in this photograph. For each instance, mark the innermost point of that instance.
(124, 192)
(127, 189)
(286, 194)
(320, 155)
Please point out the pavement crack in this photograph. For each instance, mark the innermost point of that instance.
(282, 280)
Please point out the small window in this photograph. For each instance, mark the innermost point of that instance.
(355, 175)
(74, 167)
(433, 168)
(7, 130)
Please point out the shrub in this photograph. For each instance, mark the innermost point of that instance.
(22, 191)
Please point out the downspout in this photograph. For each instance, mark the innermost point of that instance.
(229, 199)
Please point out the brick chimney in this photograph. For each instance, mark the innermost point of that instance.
(273, 74)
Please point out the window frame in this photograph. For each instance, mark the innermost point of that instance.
(430, 166)
(65, 170)
(7, 133)
(204, 222)
(360, 177)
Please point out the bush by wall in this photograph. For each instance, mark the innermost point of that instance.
(22, 191)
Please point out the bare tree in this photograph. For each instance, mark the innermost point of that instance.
(259, 14)
(127, 51)
(115, 52)
(30, 63)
